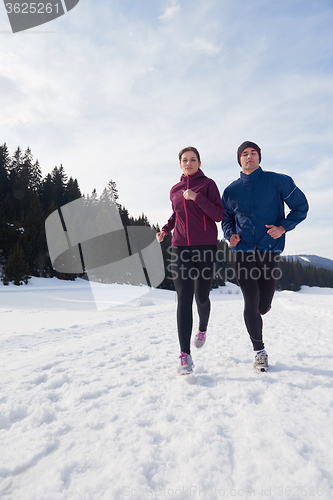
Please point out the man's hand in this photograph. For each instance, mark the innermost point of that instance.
(275, 232)
(234, 240)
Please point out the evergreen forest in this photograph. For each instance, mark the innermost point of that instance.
(27, 199)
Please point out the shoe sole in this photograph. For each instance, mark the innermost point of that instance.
(200, 346)
(187, 372)
(261, 369)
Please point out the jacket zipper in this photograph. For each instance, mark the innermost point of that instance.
(186, 215)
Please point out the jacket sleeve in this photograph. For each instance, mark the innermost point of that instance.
(228, 222)
(211, 206)
(168, 227)
(295, 199)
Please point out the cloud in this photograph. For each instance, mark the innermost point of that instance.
(203, 46)
(171, 11)
(117, 90)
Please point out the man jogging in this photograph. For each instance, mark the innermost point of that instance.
(255, 225)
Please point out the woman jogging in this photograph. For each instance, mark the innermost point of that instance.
(197, 206)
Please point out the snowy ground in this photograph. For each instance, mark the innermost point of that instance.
(91, 406)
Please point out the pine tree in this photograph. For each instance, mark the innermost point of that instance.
(16, 161)
(35, 177)
(112, 191)
(26, 183)
(15, 194)
(72, 190)
(34, 240)
(59, 191)
(46, 193)
(4, 163)
(124, 215)
(141, 221)
(94, 197)
(3, 238)
(16, 269)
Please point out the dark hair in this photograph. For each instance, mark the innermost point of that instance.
(189, 148)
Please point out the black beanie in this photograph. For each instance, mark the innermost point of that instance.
(248, 144)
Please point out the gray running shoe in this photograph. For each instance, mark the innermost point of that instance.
(199, 339)
(186, 364)
(261, 361)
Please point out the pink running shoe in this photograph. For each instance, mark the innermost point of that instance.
(186, 364)
(199, 339)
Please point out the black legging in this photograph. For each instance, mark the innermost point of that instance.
(192, 271)
(257, 274)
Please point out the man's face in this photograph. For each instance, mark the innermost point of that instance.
(249, 160)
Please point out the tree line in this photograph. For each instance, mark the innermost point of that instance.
(27, 199)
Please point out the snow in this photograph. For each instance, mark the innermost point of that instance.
(305, 258)
(91, 406)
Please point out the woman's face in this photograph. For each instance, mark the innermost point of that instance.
(189, 163)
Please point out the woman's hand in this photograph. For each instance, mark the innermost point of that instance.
(160, 236)
(189, 194)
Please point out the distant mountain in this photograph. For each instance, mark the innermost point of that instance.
(315, 260)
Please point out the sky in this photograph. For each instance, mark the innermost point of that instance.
(114, 89)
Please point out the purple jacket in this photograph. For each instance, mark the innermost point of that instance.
(193, 221)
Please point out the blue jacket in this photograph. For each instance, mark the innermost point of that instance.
(254, 200)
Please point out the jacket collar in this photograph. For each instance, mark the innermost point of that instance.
(197, 175)
(253, 177)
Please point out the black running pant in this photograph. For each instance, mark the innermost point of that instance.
(192, 270)
(257, 274)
